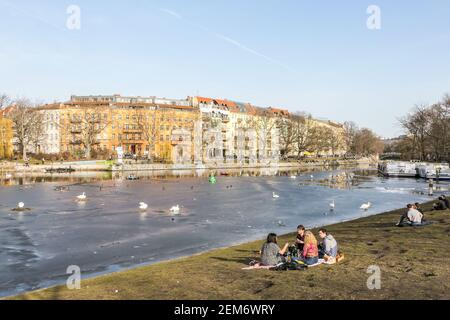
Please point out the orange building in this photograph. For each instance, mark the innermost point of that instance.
(140, 128)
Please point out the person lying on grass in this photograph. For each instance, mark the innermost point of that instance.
(328, 249)
(271, 254)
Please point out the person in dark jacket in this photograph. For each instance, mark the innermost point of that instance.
(300, 241)
(447, 202)
(440, 205)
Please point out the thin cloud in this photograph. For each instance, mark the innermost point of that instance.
(229, 40)
(250, 50)
(172, 13)
(31, 14)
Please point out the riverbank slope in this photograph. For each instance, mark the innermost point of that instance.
(414, 265)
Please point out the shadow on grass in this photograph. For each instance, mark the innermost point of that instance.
(245, 261)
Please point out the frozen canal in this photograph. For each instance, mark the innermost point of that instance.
(108, 232)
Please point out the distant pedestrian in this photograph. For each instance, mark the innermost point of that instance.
(447, 202)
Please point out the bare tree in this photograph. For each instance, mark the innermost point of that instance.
(418, 124)
(147, 125)
(28, 125)
(263, 126)
(367, 143)
(304, 133)
(350, 130)
(287, 133)
(86, 127)
(4, 100)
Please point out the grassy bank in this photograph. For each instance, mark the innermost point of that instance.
(414, 263)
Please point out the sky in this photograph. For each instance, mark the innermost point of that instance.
(314, 56)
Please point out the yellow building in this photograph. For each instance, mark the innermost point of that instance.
(6, 138)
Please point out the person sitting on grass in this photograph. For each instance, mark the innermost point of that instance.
(440, 205)
(300, 241)
(446, 201)
(418, 208)
(271, 254)
(328, 249)
(404, 216)
(310, 254)
(415, 217)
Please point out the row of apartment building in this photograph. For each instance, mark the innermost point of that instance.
(195, 128)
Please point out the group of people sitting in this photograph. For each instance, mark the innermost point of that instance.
(442, 204)
(306, 248)
(414, 215)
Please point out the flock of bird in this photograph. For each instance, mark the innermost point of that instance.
(176, 209)
(364, 206)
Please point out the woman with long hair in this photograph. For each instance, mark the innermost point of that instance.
(310, 254)
(271, 254)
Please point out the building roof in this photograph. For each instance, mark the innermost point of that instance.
(220, 102)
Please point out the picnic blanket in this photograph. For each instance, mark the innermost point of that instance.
(258, 267)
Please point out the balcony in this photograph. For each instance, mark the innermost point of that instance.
(133, 141)
(178, 141)
(76, 142)
(75, 130)
(132, 130)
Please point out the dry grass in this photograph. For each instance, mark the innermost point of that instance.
(414, 263)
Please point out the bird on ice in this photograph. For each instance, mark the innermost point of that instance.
(366, 206)
(143, 206)
(82, 197)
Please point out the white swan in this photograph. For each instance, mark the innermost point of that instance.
(312, 177)
(82, 196)
(275, 196)
(21, 205)
(293, 177)
(332, 205)
(175, 209)
(365, 206)
(143, 206)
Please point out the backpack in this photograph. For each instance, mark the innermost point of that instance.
(293, 265)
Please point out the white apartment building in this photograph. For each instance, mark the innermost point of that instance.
(50, 143)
